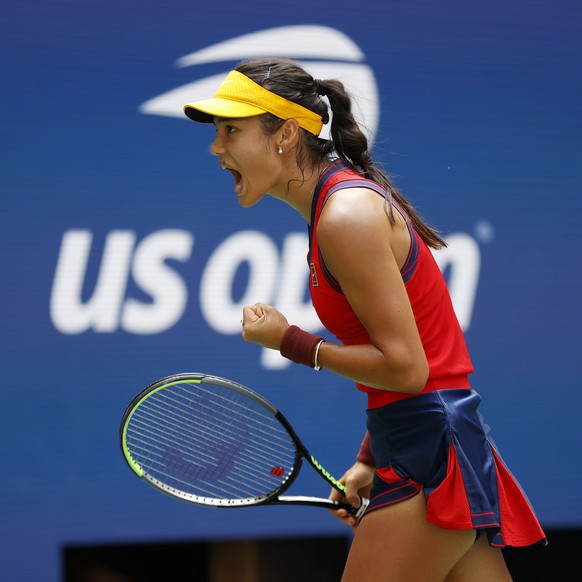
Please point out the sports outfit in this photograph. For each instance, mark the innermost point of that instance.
(435, 441)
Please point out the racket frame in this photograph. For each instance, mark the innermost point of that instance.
(273, 497)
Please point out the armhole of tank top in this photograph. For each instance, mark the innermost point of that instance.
(355, 183)
(331, 280)
(412, 258)
(411, 261)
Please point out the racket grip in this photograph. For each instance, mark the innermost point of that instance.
(357, 512)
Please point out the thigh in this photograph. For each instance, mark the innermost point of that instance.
(481, 563)
(397, 544)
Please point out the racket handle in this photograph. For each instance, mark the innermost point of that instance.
(357, 512)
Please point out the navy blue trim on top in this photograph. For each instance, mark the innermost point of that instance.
(335, 166)
(339, 166)
(412, 259)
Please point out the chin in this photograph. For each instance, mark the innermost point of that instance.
(247, 202)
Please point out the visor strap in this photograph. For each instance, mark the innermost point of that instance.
(238, 87)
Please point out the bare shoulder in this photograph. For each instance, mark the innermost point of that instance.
(354, 221)
(357, 214)
(351, 210)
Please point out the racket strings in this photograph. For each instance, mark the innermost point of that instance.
(185, 468)
(210, 441)
(210, 467)
(212, 427)
(209, 464)
(212, 410)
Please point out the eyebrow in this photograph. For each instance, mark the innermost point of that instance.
(225, 119)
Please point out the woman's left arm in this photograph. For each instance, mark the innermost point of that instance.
(359, 244)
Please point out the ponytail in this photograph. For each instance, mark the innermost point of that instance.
(289, 80)
(351, 145)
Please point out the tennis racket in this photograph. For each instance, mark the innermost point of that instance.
(213, 442)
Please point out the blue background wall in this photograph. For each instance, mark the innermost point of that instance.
(478, 118)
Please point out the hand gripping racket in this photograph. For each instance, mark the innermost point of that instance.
(213, 442)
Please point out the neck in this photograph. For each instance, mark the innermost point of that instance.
(299, 194)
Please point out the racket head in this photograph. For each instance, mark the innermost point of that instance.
(209, 441)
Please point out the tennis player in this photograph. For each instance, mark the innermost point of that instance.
(442, 501)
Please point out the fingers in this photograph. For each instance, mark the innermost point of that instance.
(357, 482)
(342, 514)
(264, 325)
(345, 517)
(252, 313)
(259, 309)
(353, 485)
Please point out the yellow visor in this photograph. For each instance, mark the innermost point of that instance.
(238, 97)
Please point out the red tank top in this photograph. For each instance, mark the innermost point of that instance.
(441, 335)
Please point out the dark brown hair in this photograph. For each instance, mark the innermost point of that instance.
(289, 80)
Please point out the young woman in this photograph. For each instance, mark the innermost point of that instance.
(442, 502)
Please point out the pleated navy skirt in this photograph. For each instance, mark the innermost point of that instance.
(438, 443)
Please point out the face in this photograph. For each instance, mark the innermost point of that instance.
(249, 155)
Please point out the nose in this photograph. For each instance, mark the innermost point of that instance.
(216, 147)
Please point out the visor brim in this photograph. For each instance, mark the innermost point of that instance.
(205, 111)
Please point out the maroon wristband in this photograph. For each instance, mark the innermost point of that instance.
(299, 346)
(365, 453)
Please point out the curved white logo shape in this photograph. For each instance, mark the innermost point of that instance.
(344, 61)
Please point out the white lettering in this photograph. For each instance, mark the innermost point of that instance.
(101, 312)
(105, 309)
(463, 257)
(163, 284)
(291, 294)
(218, 307)
(279, 281)
(278, 278)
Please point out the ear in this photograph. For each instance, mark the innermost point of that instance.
(288, 135)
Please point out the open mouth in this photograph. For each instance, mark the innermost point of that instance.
(237, 180)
